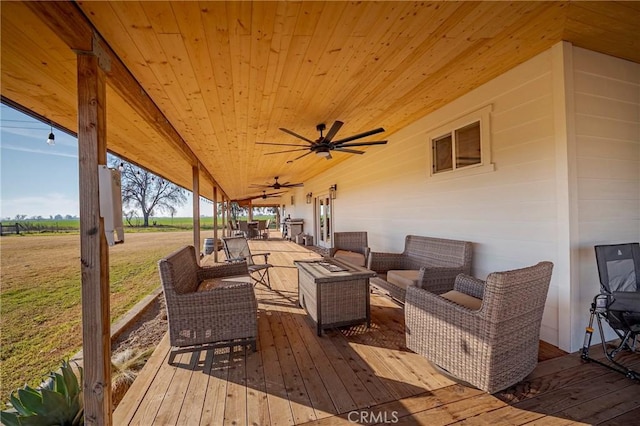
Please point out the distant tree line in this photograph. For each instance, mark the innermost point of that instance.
(21, 217)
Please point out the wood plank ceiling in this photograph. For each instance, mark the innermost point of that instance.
(229, 74)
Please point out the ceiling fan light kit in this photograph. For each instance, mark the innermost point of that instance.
(323, 146)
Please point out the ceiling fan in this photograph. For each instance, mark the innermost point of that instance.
(277, 185)
(263, 196)
(325, 143)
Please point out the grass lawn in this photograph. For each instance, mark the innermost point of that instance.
(34, 226)
(40, 296)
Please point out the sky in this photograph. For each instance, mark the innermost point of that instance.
(37, 179)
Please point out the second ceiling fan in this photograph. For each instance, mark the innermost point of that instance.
(325, 143)
(277, 185)
(262, 196)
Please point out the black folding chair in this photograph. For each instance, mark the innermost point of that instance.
(618, 303)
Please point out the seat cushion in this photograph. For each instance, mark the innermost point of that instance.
(403, 278)
(223, 282)
(463, 299)
(351, 257)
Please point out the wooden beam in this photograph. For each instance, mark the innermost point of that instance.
(196, 209)
(94, 252)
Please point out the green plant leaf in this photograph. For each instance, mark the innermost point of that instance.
(57, 408)
(31, 400)
(9, 418)
(18, 405)
(72, 386)
(58, 384)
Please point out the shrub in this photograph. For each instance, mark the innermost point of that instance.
(57, 402)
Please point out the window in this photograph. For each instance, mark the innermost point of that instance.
(462, 146)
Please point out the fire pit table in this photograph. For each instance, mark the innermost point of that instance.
(334, 293)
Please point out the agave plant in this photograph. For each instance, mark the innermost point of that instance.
(57, 402)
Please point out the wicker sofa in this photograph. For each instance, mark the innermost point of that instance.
(207, 306)
(428, 263)
(484, 333)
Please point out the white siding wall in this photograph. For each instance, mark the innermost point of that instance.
(518, 214)
(607, 129)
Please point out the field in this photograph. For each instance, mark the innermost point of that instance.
(40, 323)
(31, 226)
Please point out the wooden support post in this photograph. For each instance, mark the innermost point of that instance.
(94, 252)
(225, 221)
(215, 223)
(196, 209)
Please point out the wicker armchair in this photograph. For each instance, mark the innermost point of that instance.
(351, 247)
(207, 307)
(426, 262)
(486, 334)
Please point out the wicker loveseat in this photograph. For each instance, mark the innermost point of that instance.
(486, 334)
(207, 306)
(428, 263)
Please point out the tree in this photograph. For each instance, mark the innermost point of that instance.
(149, 193)
(236, 210)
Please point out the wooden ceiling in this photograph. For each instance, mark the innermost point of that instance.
(226, 75)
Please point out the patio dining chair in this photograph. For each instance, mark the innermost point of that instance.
(262, 229)
(243, 228)
(237, 249)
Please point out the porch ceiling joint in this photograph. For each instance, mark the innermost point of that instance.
(77, 32)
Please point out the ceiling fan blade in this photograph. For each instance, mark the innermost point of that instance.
(333, 130)
(350, 151)
(289, 150)
(279, 144)
(359, 135)
(292, 185)
(342, 145)
(303, 155)
(295, 134)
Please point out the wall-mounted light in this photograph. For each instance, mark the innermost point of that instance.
(332, 191)
(121, 167)
(51, 140)
(309, 197)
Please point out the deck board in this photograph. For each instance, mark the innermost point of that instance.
(368, 374)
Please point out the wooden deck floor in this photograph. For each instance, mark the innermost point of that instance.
(356, 376)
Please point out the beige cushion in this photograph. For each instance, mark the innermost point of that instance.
(463, 299)
(223, 282)
(350, 256)
(403, 278)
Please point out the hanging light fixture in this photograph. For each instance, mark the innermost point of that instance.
(51, 140)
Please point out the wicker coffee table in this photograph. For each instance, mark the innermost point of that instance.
(334, 293)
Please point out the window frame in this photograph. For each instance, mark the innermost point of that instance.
(482, 116)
